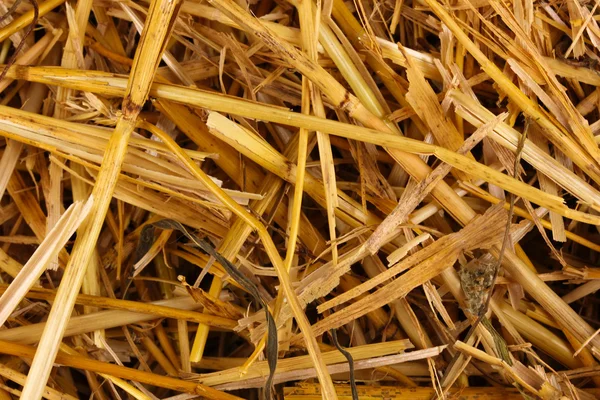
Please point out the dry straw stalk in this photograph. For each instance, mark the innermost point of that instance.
(186, 184)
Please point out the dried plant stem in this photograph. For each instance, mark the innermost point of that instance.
(307, 144)
(308, 391)
(271, 250)
(157, 310)
(137, 394)
(49, 393)
(524, 214)
(532, 283)
(310, 26)
(145, 63)
(87, 364)
(368, 363)
(254, 181)
(296, 211)
(72, 57)
(308, 42)
(107, 319)
(260, 368)
(31, 210)
(159, 356)
(540, 336)
(33, 54)
(26, 18)
(394, 143)
(415, 165)
(546, 296)
(557, 136)
(36, 265)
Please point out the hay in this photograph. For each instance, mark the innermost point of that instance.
(416, 178)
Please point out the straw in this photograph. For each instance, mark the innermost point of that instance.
(301, 199)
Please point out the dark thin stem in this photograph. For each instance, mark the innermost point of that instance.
(234, 273)
(350, 363)
(10, 11)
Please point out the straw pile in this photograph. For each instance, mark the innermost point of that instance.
(293, 199)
